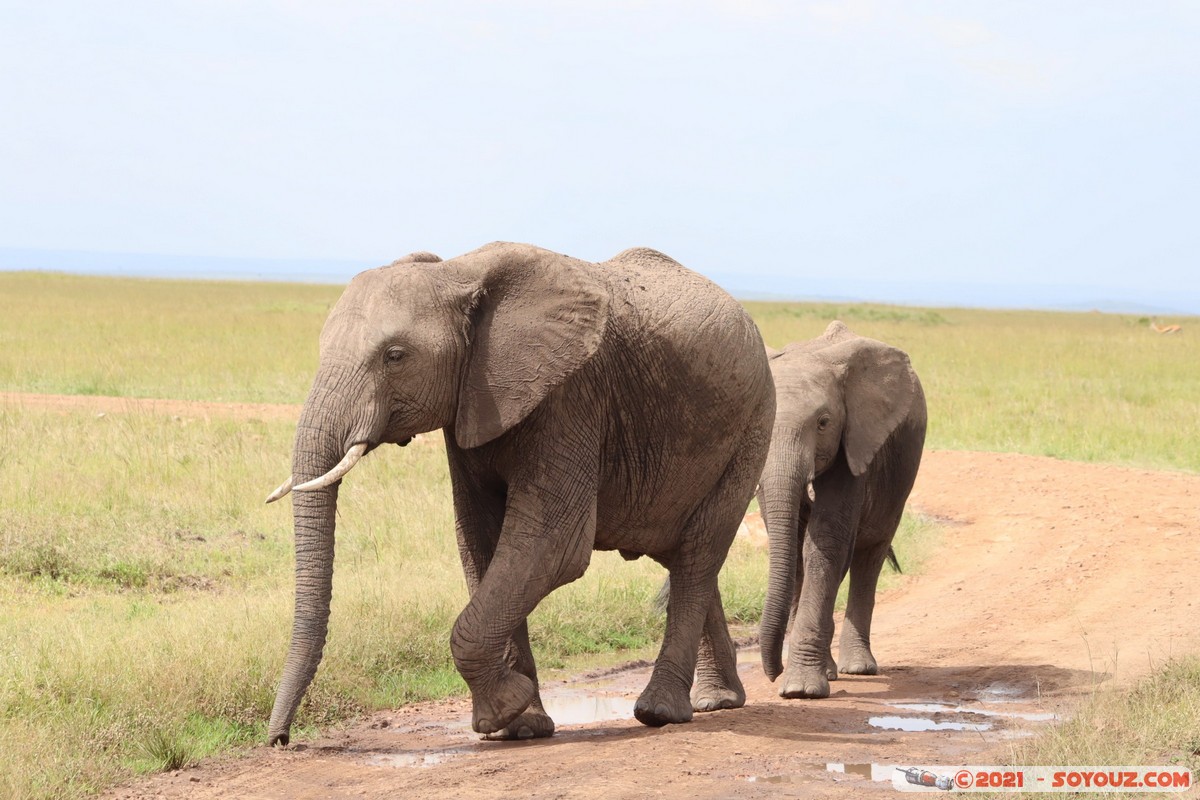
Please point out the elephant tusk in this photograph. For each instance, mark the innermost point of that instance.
(812, 496)
(334, 475)
(282, 491)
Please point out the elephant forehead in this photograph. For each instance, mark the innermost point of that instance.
(802, 376)
(375, 309)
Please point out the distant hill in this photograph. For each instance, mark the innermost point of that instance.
(1161, 302)
(1050, 297)
(147, 265)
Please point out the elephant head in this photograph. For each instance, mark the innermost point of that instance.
(472, 345)
(837, 396)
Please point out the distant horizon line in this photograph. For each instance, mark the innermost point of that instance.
(329, 271)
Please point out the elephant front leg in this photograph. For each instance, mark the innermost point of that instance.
(541, 547)
(479, 512)
(831, 667)
(826, 553)
(810, 665)
(533, 722)
(855, 646)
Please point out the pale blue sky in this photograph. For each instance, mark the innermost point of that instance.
(801, 148)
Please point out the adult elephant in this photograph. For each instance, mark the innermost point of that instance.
(617, 406)
(849, 431)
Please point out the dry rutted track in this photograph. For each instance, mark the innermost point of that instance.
(1051, 575)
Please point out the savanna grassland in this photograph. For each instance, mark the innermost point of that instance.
(146, 590)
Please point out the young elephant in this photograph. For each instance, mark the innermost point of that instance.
(849, 430)
(617, 406)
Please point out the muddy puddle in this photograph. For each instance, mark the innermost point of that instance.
(568, 707)
(920, 724)
(582, 709)
(939, 708)
(1004, 710)
(932, 715)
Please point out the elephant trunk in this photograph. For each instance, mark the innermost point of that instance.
(785, 478)
(314, 517)
(319, 447)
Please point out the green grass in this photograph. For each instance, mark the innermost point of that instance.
(1156, 723)
(148, 608)
(1091, 387)
(1085, 386)
(146, 590)
(187, 340)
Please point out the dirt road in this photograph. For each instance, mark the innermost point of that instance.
(99, 404)
(1052, 576)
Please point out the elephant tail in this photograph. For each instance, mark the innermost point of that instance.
(664, 594)
(895, 562)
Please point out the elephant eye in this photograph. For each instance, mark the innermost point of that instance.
(394, 355)
(823, 423)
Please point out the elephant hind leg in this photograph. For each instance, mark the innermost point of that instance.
(717, 683)
(694, 610)
(666, 700)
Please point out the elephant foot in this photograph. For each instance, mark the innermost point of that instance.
(861, 666)
(529, 725)
(712, 698)
(657, 707)
(831, 669)
(805, 683)
(494, 710)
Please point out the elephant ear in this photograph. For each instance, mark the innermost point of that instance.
(835, 333)
(538, 317)
(879, 387)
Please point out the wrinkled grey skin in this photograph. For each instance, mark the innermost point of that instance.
(850, 421)
(617, 406)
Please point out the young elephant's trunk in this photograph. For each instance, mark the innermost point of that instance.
(319, 447)
(781, 496)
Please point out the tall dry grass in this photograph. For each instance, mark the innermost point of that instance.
(1155, 723)
(147, 593)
